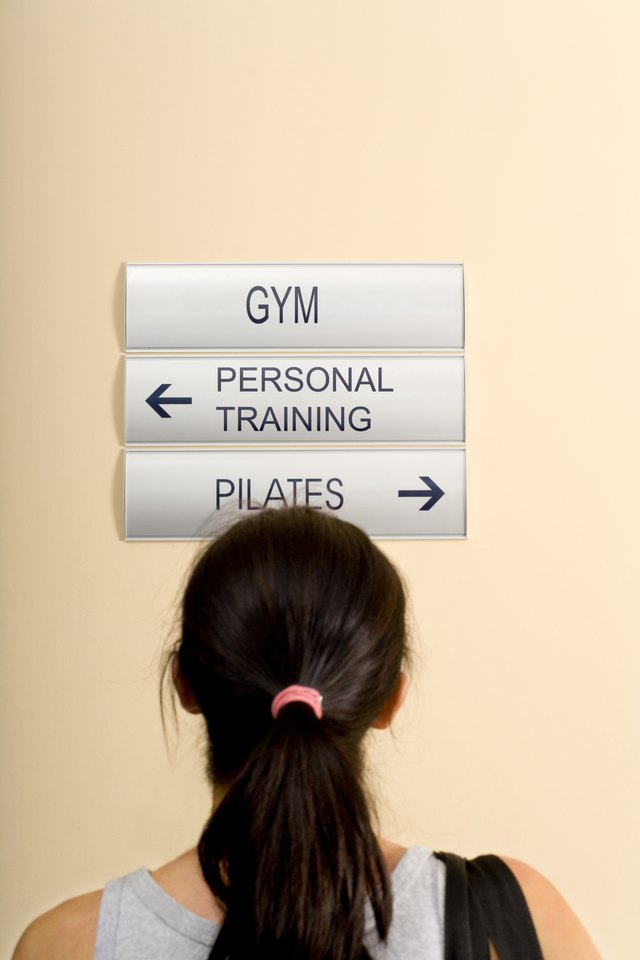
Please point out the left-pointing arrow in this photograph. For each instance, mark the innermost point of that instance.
(156, 399)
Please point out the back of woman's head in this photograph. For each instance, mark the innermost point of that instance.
(292, 597)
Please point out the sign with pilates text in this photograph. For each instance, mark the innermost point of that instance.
(297, 306)
(174, 495)
(294, 399)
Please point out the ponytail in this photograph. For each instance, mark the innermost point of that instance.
(290, 851)
(292, 596)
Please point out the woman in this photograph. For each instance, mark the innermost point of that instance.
(292, 646)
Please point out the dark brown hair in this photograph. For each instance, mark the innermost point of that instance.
(292, 596)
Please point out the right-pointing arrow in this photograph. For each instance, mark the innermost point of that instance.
(433, 492)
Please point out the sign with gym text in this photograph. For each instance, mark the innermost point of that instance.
(298, 306)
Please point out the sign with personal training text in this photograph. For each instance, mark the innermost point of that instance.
(294, 399)
(175, 495)
(298, 306)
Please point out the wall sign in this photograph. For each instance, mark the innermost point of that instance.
(294, 399)
(299, 306)
(398, 493)
(303, 374)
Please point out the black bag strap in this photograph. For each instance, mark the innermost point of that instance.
(483, 901)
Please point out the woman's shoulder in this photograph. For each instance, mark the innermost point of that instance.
(68, 932)
(559, 931)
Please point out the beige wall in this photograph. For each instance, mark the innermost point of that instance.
(501, 134)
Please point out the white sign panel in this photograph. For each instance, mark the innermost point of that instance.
(410, 493)
(294, 399)
(299, 306)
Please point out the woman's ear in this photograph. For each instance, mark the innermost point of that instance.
(393, 703)
(185, 694)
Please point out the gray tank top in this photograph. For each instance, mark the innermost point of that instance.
(139, 920)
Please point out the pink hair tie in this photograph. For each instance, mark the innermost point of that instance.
(296, 694)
